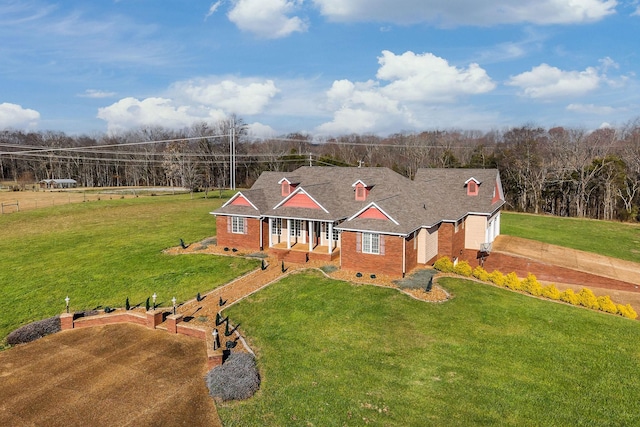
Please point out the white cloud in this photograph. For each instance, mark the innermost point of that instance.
(546, 82)
(267, 18)
(94, 93)
(417, 83)
(130, 113)
(467, 12)
(429, 78)
(241, 96)
(260, 130)
(591, 109)
(212, 9)
(15, 117)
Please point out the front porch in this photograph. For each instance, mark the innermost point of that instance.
(300, 253)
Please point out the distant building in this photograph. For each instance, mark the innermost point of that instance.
(373, 219)
(58, 183)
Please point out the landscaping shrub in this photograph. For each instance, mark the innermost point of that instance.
(497, 278)
(627, 311)
(238, 378)
(586, 298)
(481, 274)
(531, 285)
(605, 304)
(551, 292)
(570, 297)
(463, 268)
(512, 281)
(34, 331)
(444, 264)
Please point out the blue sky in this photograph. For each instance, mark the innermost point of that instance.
(323, 67)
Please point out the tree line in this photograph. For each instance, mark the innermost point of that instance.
(559, 171)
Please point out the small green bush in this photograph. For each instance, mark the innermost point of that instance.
(586, 298)
(551, 292)
(463, 268)
(34, 331)
(605, 304)
(238, 378)
(570, 297)
(512, 281)
(444, 264)
(480, 274)
(497, 278)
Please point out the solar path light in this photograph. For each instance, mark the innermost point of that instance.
(67, 301)
(173, 300)
(154, 296)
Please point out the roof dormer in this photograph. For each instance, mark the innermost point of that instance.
(287, 186)
(473, 185)
(361, 190)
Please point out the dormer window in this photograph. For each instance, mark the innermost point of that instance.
(473, 185)
(286, 186)
(361, 191)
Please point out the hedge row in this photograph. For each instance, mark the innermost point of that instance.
(530, 285)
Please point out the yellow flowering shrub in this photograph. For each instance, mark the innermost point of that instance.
(627, 311)
(481, 274)
(586, 298)
(570, 297)
(512, 281)
(605, 304)
(497, 278)
(551, 292)
(531, 285)
(444, 264)
(463, 268)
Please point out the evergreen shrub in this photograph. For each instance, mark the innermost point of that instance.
(587, 299)
(34, 331)
(238, 378)
(605, 304)
(570, 297)
(463, 269)
(531, 285)
(551, 292)
(497, 278)
(444, 264)
(626, 311)
(512, 281)
(481, 274)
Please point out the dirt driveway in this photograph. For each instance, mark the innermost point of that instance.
(113, 375)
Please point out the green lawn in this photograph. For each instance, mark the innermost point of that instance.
(608, 238)
(334, 354)
(100, 253)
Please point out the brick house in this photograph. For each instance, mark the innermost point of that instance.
(373, 220)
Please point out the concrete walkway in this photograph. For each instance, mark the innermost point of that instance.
(587, 262)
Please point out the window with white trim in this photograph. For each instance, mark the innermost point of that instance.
(276, 226)
(238, 225)
(371, 243)
(296, 228)
(325, 230)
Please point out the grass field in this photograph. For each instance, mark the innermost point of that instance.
(335, 354)
(608, 238)
(100, 253)
(331, 353)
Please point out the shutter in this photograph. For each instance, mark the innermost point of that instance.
(381, 243)
(358, 242)
(229, 224)
(244, 226)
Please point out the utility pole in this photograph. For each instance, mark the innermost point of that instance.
(232, 156)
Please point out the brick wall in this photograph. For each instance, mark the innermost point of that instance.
(411, 253)
(450, 243)
(390, 263)
(250, 240)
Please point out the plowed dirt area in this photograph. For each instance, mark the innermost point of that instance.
(113, 375)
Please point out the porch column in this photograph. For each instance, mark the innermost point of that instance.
(330, 242)
(310, 227)
(270, 232)
(289, 233)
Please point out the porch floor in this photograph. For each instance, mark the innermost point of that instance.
(304, 247)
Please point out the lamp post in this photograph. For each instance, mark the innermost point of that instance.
(67, 301)
(173, 300)
(154, 296)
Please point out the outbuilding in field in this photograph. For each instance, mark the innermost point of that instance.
(58, 183)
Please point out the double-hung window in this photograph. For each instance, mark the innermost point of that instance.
(238, 225)
(371, 243)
